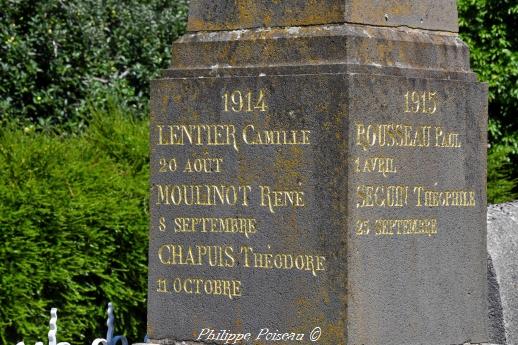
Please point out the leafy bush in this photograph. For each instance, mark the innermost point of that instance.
(500, 187)
(56, 56)
(489, 28)
(73, 229)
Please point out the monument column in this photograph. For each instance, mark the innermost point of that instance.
(318, 176)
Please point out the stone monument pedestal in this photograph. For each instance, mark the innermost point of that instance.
(318, 173)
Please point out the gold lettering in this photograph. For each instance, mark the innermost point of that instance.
(447, 139)
(381, 196)
(253, 136)
(400, 227)
(212, 287)
(276, 199)
(203, 195)
(392, 135)
(375, 165)
(424, 102)
(198, 135)
(238, 101)
(231, 225)
(162, 286)
(203, 165)
(362, 227)
(199, 255)
(444, 198)
(283, 261)
(168, 165)
(162, 226)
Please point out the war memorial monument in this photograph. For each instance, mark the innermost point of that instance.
(318, 175)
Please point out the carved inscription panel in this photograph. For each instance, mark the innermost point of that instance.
(248, 206)
(351, 204)
(417, 211)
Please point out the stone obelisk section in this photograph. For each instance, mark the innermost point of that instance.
(318, 172)
(210, 15)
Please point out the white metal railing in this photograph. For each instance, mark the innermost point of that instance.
(109, 340)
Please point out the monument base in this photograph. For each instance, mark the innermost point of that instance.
(322, 181)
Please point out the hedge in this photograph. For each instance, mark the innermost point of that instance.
(73, 229)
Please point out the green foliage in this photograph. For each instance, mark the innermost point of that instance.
(489, 28)
(56, 56)
(500, 187)
(73, 229)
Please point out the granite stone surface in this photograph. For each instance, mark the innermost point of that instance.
(209, 15)
(495, 312)
(324, 181)
(503, 251)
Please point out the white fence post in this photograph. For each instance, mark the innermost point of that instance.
(53, 330)
(110, 339)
